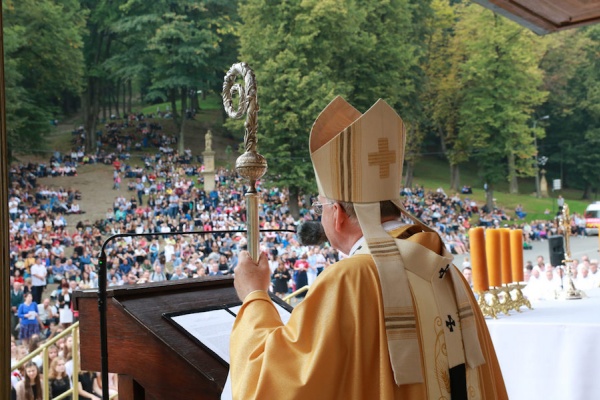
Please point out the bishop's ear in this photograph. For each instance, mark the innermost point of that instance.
(340, 217)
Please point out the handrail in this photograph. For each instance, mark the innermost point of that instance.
(74, 390)
(290, 296)
(50, 342)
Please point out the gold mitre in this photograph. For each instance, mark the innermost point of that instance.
(358, 157)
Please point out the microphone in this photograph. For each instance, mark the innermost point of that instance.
(311, 233)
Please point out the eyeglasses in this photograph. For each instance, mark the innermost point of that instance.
(318, 206)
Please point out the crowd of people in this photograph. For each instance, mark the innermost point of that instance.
(545, 281)
(163, 194)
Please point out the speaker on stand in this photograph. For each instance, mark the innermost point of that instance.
(556, 246)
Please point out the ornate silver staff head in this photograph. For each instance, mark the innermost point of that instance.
(250, 165)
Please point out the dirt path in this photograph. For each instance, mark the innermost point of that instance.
(94, 181)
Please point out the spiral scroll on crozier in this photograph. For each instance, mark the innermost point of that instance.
(250, 165)
(248, 102)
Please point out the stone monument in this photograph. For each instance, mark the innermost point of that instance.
(543, 184)
(209, 163)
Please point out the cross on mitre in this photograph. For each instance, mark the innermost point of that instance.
(383, 158)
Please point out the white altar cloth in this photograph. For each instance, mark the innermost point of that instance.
(550, 352)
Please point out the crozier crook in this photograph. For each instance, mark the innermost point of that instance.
(249, 165)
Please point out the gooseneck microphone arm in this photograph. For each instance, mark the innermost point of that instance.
(102, 285)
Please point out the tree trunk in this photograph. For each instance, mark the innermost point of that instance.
(454, 177)
(512, 174)
(587, 191)
(174, 112)
(442, 140)
(129, 99)
(489, 198)
(92, 105)
(94, 87)
(408, 178)
(184, 110)
(181, 147)
(194, 103)
(106, 99)
(116, 94)
(124, 97)
(307, 202)
(293, 202)
(104, 111)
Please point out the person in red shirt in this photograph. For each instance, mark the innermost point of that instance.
(18, 277)
(300, 276)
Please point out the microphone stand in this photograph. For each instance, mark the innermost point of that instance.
(102, 285)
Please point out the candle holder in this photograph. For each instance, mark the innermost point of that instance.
(569, 292)
(518, 300)
(486, 309)
(500, 304)
(507, 299)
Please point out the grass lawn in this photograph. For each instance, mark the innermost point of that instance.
(433, 173)
(212, 101)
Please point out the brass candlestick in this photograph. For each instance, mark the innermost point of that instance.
(507, 300)
(518, 300)
(569, 292)
(249, 165)
(488, 310)
(502, 299)
(500, 304)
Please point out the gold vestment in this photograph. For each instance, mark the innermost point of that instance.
(334, 346)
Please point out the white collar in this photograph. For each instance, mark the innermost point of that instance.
(388, 226)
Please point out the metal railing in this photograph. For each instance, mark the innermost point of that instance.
(289, 297)
(74, 390)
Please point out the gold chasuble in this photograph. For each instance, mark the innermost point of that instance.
(335, 347)
(395, 320)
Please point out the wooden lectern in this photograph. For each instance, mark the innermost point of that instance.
(154, 359)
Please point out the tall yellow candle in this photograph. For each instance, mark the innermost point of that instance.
(478, 261)
(505, 260)
(493, 256)
(516, 255)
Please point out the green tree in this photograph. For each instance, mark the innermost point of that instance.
(500, 89)
(441, 94)
(290, 46)
(573, 77)
(181, 40)
(385, 60)
(306, 52)
(17, 103)
(98, 47)
(44, 63)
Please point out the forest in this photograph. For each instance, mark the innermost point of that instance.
(471, 86)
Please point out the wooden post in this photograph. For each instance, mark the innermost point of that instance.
(4, 241)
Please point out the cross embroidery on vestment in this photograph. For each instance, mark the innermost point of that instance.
(450, 324)
(443, 271)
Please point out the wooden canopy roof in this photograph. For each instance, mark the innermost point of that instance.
(547, 16)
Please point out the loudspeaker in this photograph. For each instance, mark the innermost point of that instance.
(557, 250)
